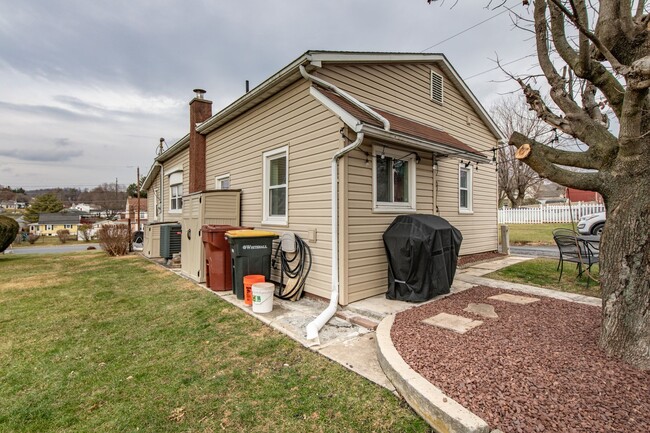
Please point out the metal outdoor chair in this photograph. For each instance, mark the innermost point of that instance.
(562, 232)
(574, 250)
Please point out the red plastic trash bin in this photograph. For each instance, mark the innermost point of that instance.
(218, 266)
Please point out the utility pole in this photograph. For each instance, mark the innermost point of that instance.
(138, 183)
(116, 199)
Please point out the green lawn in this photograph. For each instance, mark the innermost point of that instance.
(538, 234)
(45, 241)
(90, 343)
(543, 273)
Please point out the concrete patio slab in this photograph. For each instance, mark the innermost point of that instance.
(452, 322)
(359, 355)
(514, 299)
(483, 310)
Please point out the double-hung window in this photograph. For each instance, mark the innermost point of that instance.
(393, 180)
(176, 191)
(275, 194)
(464, 189)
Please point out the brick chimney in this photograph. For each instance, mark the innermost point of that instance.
(200, 111)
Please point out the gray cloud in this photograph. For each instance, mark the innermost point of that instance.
(143, 50)
(42, 155)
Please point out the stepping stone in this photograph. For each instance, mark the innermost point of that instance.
(514, 299)
(452, 322)
(484, 310)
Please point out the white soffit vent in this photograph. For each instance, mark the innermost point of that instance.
(436, 87)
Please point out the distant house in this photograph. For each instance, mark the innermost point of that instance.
(10, 204)
(49, 223)
(578, 195)
(550, 192)
(86, 208)
(132, 212)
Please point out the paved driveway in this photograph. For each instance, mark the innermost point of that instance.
(537, 251)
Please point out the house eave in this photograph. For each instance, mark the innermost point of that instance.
(174, 150)
(420, 144)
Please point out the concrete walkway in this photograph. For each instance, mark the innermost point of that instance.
(351, 340)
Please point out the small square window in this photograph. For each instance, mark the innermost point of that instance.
(393, 179)
(222, 182)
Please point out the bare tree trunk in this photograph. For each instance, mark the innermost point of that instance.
(625, 274)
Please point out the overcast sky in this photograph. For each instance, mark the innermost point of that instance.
(87, 88)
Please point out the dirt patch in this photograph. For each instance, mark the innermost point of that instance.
(480, 257)
(537, 368)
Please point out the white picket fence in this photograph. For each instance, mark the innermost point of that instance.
(548, 213)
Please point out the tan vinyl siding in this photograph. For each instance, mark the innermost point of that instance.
(177, 161)
(404, 90)
(294, 119)
(367, 266)
(151, 202)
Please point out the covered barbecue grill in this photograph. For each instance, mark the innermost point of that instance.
(422, 252)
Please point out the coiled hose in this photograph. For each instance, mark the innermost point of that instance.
(297, 267)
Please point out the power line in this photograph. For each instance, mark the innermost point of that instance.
(466, 30)
(497, 67)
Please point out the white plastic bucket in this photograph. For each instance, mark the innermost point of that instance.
(263, 297)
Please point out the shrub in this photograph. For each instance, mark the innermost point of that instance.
(8, 231)
(114, 239)
(32, 238)
(84, 232)
(63, 235)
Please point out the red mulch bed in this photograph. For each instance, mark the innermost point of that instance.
(480, 257)
(537, 368)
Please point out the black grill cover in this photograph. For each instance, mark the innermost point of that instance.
(422, 252)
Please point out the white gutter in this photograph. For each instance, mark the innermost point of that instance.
(315, 325)
(351, 99)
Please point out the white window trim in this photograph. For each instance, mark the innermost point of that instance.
(218, 179)
(470, 188)
(390, 207)
(172, 197)
(169, 173)
(266, 219)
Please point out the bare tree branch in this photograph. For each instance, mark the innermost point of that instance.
(539, 160)
(596, 72)
(618, 66)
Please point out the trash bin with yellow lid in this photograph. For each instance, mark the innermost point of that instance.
(250, 252)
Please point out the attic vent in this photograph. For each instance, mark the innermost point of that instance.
(436, 87)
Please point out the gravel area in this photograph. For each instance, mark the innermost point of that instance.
(537, 368)
(480, 257)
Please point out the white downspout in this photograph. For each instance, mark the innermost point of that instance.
(343, 94)
(315, 325)
(162, 193)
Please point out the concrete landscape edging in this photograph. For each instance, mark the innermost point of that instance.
(443, 413)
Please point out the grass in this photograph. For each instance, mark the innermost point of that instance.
(92, 343)
(544, 273)
(47, 241)
(537, 234)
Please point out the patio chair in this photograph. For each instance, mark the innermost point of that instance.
(562, 232)
(575, 251)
